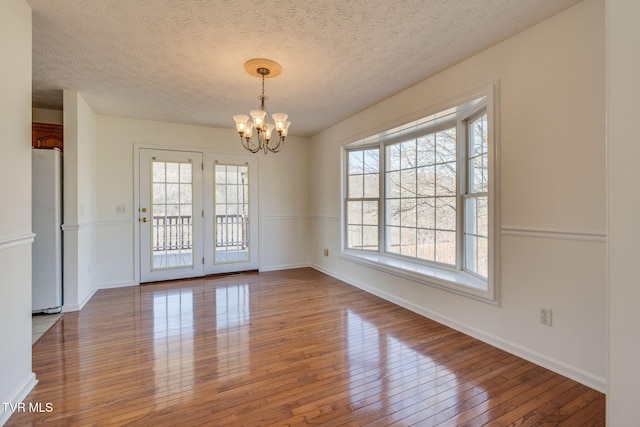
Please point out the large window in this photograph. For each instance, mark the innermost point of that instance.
(420, 201)
(418, 197)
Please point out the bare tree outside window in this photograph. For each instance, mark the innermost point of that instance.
(421, 197)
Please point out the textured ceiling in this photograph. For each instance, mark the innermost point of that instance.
(182, 60)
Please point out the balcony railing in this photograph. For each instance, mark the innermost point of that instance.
(231, 231)
(174, 232)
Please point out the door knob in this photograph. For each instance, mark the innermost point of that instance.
(143, 219)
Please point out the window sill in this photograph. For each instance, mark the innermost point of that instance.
(457, 282)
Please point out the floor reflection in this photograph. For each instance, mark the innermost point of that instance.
(173, 342)
(233, 316)
(281, 348)
(397, 376)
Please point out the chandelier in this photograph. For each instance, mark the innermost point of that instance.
(266, 140)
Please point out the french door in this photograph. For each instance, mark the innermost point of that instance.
(198, 214)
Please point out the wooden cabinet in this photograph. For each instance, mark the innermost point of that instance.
(45, 135)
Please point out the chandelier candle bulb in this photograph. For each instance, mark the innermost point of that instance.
(258, 118)
(268, 131)
(280, 120)
(248, 131)
(285, 131)
(241, 123)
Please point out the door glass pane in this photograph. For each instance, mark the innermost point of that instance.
(171, 215)
(232, 213)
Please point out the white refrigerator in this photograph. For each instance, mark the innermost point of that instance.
(46, 293)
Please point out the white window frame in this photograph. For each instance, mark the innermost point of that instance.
(451, 278)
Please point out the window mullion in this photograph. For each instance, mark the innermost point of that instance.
(382, 205)
(462, 186)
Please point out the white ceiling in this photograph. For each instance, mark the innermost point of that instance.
(182, 60)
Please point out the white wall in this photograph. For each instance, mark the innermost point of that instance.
(80, 200)
(552, 193)
(623, 150)
(284, 202)
(16, 378)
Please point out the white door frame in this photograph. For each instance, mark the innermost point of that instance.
(252, 159)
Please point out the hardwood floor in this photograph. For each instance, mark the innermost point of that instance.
(285, 348)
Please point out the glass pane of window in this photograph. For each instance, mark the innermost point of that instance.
(232, 174)
(159, 192)
(221, 176)
(372, 161)
(354, 236)
(482, 216)
(426, 213)
(371, 185)
(173, 172)
(370, 213)
(446, 179)
(446, 247)
(158, 171)
(478, 136)
(446, 146)
(408, 154)
(426, 244)
(370, 237)
(356, 162)
(408, 212)
(426, 181)
(231, 232)
(446, 213)
(476, 236)
(408, 241)
(185, 210)
(354, 212)
(185, 174)
(356, 186)
(171, 220)
(363, 183)
(483, 257)
(478, 174)
(185, 193)
(476, 256)
(408, 183)
(478, 160)
(426, 150)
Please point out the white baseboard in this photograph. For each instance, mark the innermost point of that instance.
(66, 308)
(559, 367)
(113, 285)
(28, 384)
(284, 267)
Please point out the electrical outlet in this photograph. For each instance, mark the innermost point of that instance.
(545, 315)
(120, 209)
(326, 252)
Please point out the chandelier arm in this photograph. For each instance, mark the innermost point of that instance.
(278, 146)
(247, 146)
